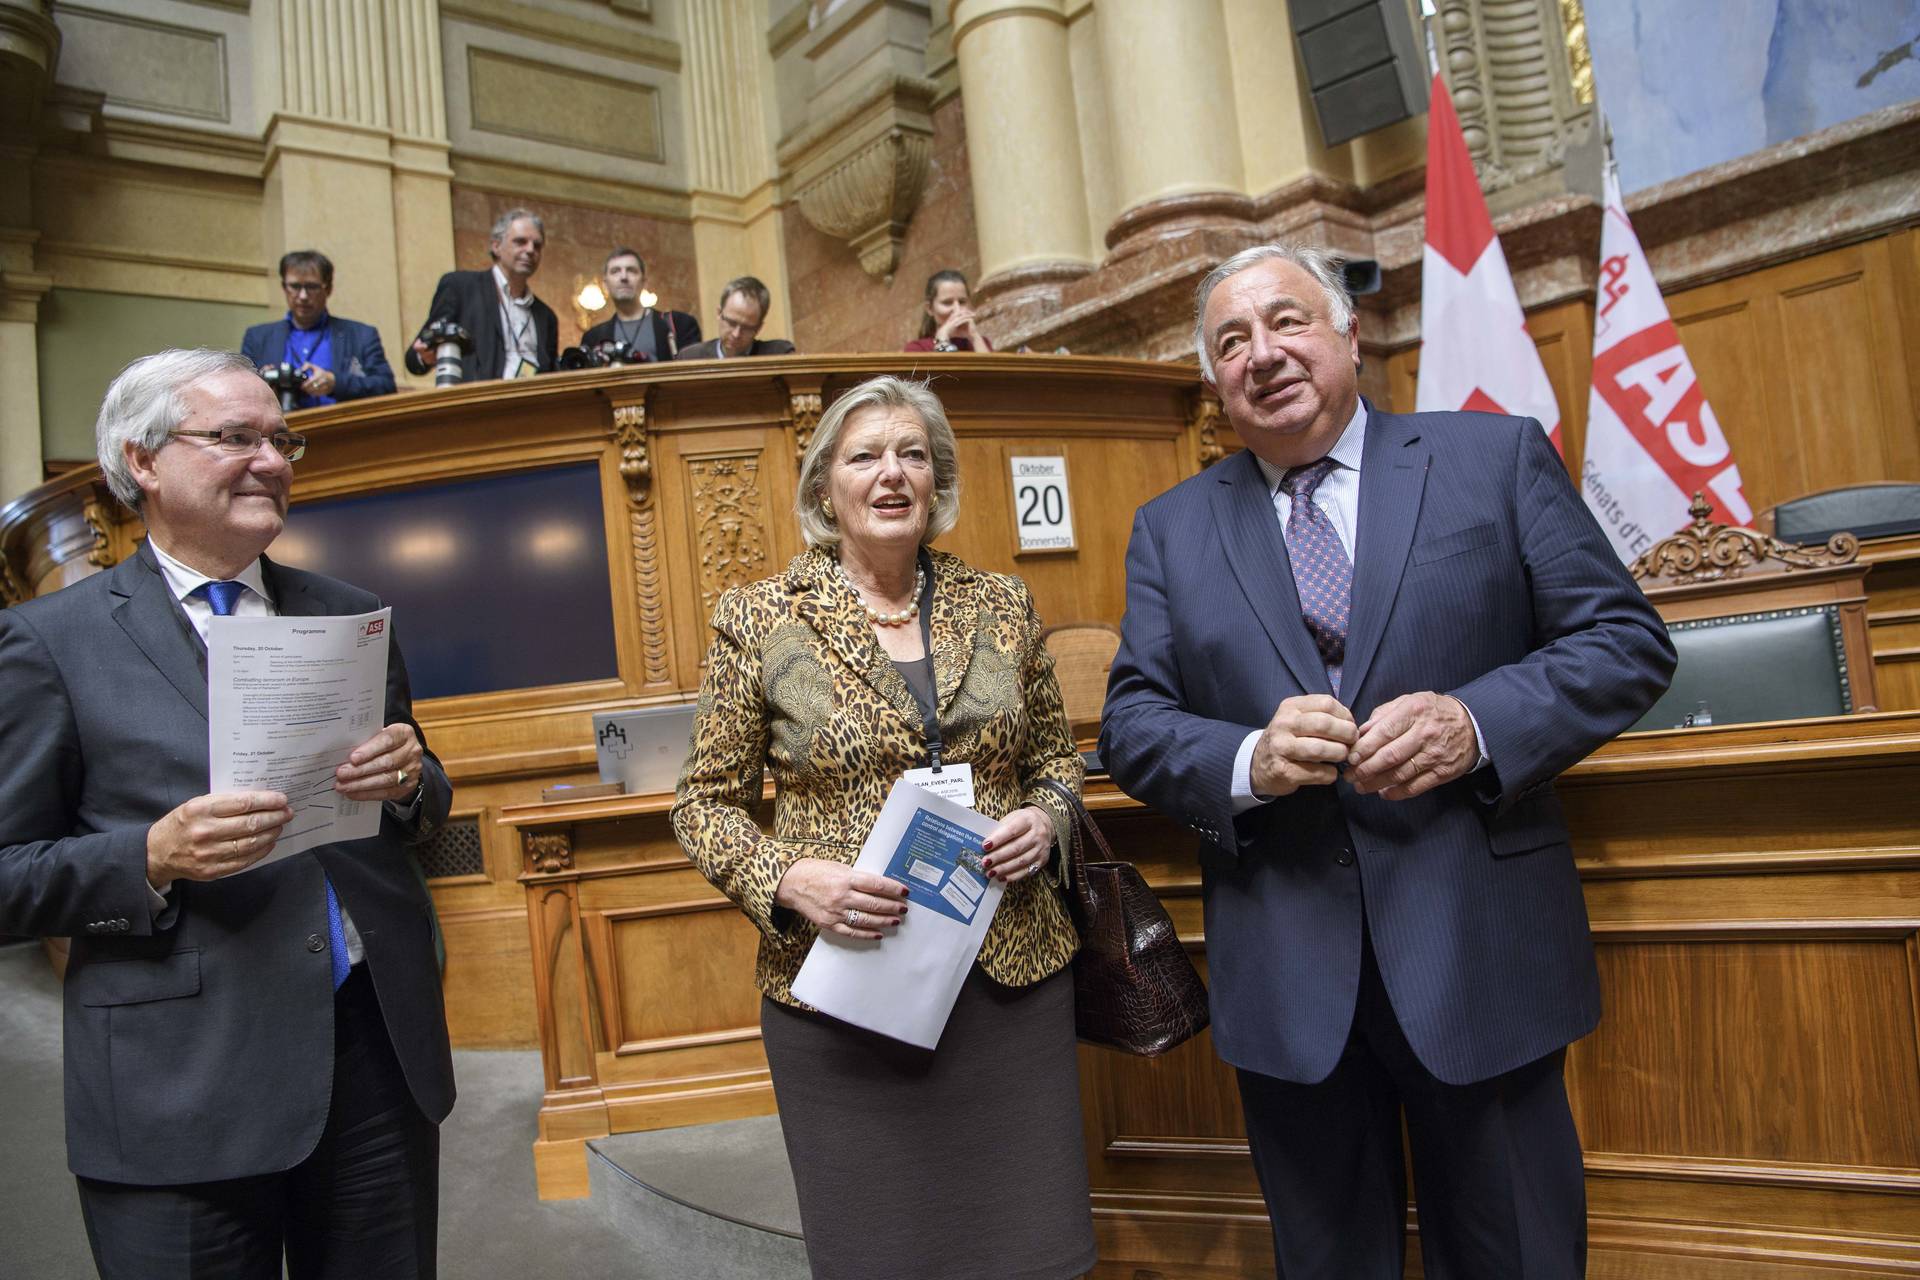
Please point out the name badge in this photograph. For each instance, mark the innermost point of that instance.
(954, 782)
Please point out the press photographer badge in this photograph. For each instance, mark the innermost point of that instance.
(952, 782)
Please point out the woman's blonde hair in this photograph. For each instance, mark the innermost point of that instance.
(883, 392)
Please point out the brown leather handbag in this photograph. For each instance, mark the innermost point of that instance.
(1134, 987)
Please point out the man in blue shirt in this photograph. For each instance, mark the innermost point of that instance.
(339, 359)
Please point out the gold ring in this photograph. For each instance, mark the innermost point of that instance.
(399, 777)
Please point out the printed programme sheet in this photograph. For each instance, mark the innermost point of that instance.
(287, 699)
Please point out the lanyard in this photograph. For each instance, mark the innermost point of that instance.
(514, 335)
(930, 715)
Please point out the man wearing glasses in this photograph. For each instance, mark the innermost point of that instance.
(337, 359)
(256, 1065)
(743, 311)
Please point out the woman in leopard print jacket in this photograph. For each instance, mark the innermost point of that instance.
(966, 1160)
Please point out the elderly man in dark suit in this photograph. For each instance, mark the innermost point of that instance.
(743, 312)
(256, 1065)
(514, 334)
(1355, 655)
(337, 359)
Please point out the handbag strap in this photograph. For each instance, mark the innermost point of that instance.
(1083, 826)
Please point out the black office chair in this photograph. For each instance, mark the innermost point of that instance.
(1864, 510)
(1783, 664)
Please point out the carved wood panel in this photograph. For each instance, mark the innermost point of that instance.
(730, 534)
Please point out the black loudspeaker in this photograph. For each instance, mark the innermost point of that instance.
(1363, 62)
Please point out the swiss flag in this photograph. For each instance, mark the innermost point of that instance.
(1474, 348)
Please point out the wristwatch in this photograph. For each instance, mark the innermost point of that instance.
(944, 345)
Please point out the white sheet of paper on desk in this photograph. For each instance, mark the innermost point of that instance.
(904, 985)
(287, 700)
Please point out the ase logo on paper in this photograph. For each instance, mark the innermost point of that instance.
(372, 627)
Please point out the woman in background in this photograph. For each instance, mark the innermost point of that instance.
(948, 324)
(967, 1160)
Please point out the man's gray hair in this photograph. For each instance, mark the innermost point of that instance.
(504, 223)
(145, 403)
(1324, 267)
(883, 392)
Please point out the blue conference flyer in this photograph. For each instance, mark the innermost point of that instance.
(939, 862)
(903, 984)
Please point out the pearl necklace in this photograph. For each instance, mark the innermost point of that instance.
(881, 618)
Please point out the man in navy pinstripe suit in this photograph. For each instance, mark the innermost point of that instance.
(1355, 656)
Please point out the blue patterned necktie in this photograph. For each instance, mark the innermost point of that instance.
(222, 596)
(1322, 574)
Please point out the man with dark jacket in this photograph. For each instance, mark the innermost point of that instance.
(651, 334)
(743, 310)
(514, 333)
(256, 1064)
(338, 359)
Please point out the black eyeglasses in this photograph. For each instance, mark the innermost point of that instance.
(245, 440)
(303, 286)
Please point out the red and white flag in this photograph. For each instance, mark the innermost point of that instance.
(1474, 348)
(1652, 439)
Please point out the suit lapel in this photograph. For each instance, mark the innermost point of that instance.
(1393, 479)
(831, 610)
(154, 621)
(956, 615)
(282, 332)
(1257, 554)
(291, 599)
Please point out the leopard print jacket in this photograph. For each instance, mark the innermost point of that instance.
(797, 683)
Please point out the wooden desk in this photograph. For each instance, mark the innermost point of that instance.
(1750, 1104)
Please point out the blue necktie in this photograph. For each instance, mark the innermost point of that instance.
(1322, 574)
(222, 596)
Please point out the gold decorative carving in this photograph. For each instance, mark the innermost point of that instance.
(1573, 25)
(548, 852)
(728, 533)
(803, 410)
(630, 433)
(100, 517)
(1706, 551)
(1205, 417)
(1511, 69)
(857, 175)
(643, 532)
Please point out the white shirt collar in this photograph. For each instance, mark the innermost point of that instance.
(183, 580)
(1346, 451)
(500, 280)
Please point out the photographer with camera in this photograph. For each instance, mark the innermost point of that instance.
(513, 334)
(647, 333)
(311, 357)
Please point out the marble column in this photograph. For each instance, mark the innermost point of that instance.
(1023, 143)
(29, 52)
(356, 152)
(728, 75)
(1168, 73)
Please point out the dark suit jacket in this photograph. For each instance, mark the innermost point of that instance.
(199, 1042)
(710, 349)
(471, 299)
(685, 333)
(360, 366)
(1478, 572)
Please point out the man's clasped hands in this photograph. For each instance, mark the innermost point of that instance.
(1406, 748)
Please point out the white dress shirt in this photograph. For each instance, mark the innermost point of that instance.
(516, 327)
(1338, 497)
(183, 581)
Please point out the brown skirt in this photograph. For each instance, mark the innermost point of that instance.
(963, 1163)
